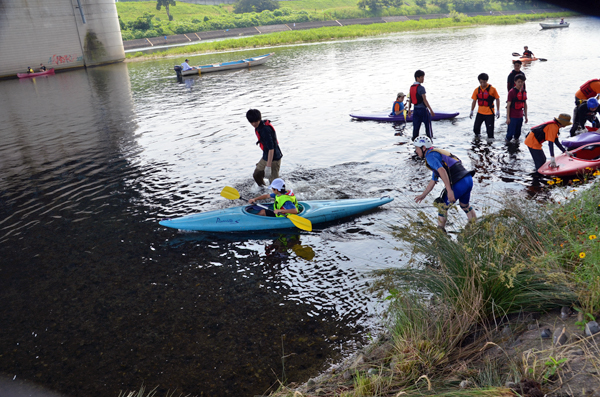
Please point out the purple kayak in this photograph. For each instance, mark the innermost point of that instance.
(581, 140)
(383, 116)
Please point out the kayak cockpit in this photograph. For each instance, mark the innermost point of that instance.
(589, 152)
(255, 209)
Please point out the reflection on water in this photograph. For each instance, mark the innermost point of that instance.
(97, 297)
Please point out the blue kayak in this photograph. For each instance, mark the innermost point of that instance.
(244, 218)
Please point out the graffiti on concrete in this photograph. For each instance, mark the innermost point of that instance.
(62, 59)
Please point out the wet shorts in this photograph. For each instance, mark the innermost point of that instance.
(462, 190)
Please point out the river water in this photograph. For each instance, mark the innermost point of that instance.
(97, 297)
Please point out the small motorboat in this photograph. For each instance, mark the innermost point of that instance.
(592, 136)
(383, 116)
(585, 159)
(43, 73)
(245, 218)
(218, 67)
(554, 25)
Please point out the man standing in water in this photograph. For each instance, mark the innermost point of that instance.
(269, 164)
(484, 96)
(510, 82)
(457, 180)
(516, 109)
(421, 114)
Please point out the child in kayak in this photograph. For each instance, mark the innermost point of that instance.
(285, 200)
(398, 106)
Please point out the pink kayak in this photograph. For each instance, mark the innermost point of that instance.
(585, 159)
(25, 75)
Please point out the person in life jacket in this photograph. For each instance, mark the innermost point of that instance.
(484, 96)
(285, 200)
(589, 89)
(270, 163)
(457, 180)
(547, 131)
(516, 108)
(586, 111)
(423, 111)
(510, 81)
(30, 70)
(527, 53)
(398, 105)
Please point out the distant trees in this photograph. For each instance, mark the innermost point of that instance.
(378, 5)
(166, 4)
(243, 6)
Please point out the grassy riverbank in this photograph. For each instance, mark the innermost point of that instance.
(341, 32)
(141, 19)
(455, 309)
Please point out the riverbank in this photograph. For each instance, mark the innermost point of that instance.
(340, 32)
(467, 317)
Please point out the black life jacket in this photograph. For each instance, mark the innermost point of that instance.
(538, 131)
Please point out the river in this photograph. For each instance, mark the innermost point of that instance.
(97, 297)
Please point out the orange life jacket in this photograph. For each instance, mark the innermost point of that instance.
(586, 88)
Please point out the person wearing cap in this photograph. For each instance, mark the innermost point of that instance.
(585, 112)
(457, 180)
(516, 109)
(510, 81)
(398, 105)
(270, 163)
(527, 53)
(547, 131)
(484, 96)
(185, 66)
(285, 200)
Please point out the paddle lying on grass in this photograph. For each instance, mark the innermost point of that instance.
(231, 193)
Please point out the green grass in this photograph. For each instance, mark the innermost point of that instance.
(130, 11)
(336, 33)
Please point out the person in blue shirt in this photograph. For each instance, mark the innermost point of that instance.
(457, 180)
(398, 105)
(285, 200)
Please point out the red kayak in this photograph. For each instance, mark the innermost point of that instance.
(585, 159)
(25, 75)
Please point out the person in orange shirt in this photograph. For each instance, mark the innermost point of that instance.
(589, 89)
(484, 96)
(547, 131)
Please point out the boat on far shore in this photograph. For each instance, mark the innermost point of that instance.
(42, 73)
(555, 25)
(217, 67)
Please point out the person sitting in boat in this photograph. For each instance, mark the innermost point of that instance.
(547, 131)
(185, 66)
(527, 53)
(585, 112)
(398, 105)
(457, 180)
(562, 21)
(285, 200)
(42, 67)
(30, 70)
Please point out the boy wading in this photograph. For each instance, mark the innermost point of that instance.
(269, 164)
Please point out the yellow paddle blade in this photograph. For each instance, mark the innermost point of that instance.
(300, 223)
(304, 251)
(404, 115)
(230, 193)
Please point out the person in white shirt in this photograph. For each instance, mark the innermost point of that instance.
(185, 66)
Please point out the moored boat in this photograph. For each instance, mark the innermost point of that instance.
(383, 116)
(244, 218)
(217, 67)
(585, 159)
(43, 73)
(554, 25)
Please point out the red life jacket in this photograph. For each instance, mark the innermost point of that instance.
(268, 123)
(484, 98)
(415, 98)
(538, 131)
(586, 88)
(519, 102)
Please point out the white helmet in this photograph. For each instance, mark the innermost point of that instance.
(423, 140)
